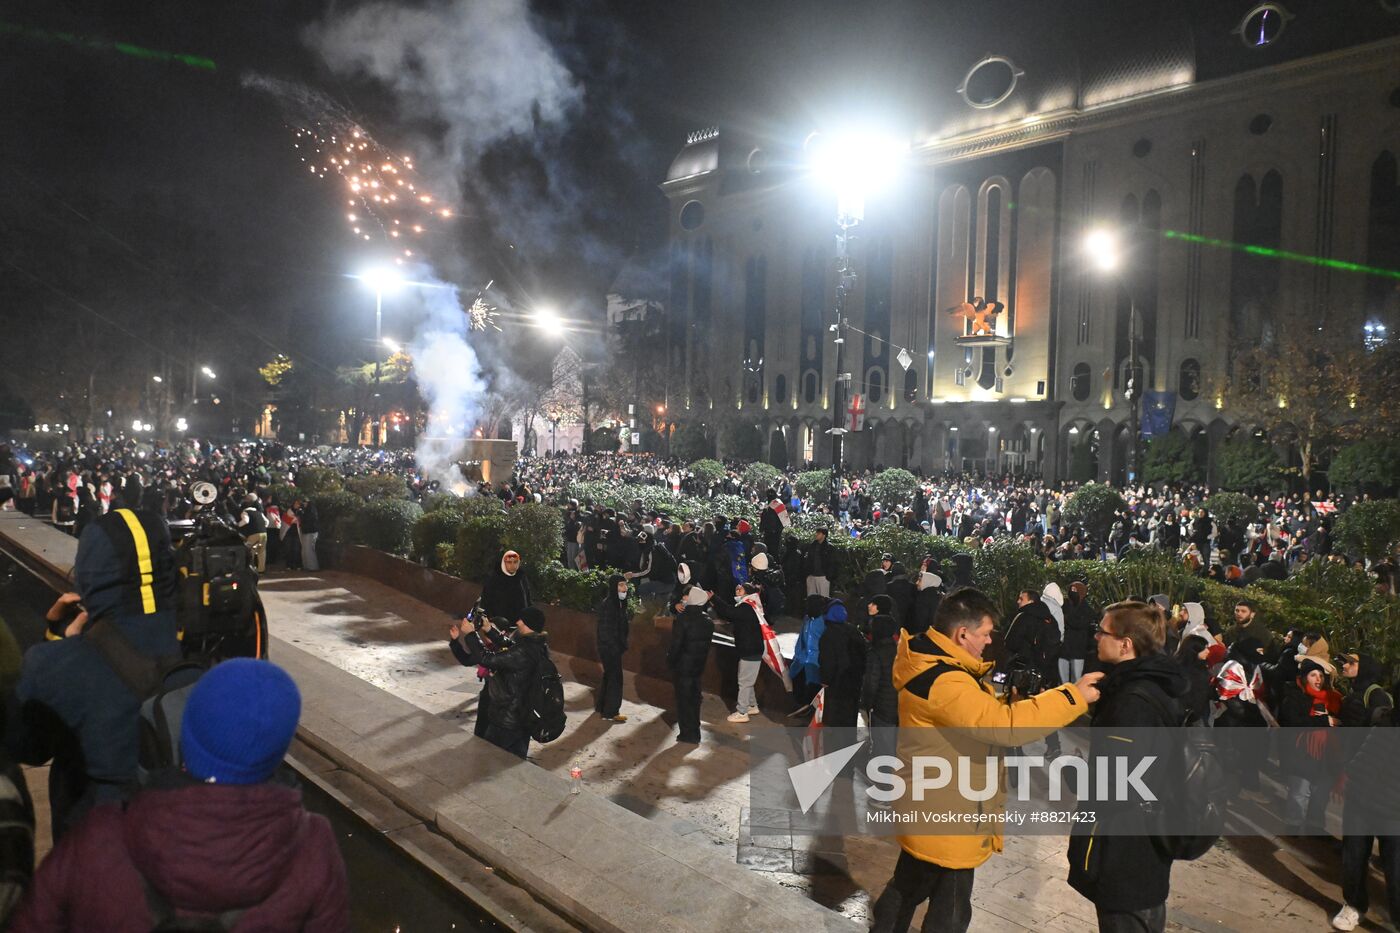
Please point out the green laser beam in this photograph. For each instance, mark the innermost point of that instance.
(1283, 254)
(108, 45)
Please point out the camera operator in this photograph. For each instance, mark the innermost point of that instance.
(940, 677)
(470, 641)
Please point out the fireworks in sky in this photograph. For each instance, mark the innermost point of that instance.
(482, 314)
(383, 200)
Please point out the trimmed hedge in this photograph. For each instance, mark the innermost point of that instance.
(378, 486)
(314, 480)
(387, 525)
(338, 512)
(434, 528)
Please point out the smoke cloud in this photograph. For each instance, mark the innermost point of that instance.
(479, 69)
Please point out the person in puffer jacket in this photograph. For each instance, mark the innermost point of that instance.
(225, 839)
(926, 602)
(878, 694)
(805, 669)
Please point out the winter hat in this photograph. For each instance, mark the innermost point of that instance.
(1052, 591)
(695, 597)
(1161, 600)
(836, 612)
(1309, 665)
(743, 527)
(882, 603)
(814, 606)
(532, 617)
(887, 556)
(759, 562)
(238, 722)
(682, 573)
(929, 581)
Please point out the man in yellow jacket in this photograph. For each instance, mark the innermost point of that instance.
(945, 710)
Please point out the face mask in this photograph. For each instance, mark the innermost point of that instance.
(621, 594)
(1302, 648)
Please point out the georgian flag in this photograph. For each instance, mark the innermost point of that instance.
(812, 741)
(773, 657)
(783, 516)
(1326, 507)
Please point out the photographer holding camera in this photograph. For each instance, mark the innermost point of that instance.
(940, 677)
(470, 641)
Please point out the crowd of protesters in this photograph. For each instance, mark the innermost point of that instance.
(907, 646)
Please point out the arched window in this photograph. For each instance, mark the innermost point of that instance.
(1189, 384)
(809, 387)
(875, 386)
(780, 389)
(1079, 382)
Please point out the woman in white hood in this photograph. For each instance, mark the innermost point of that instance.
(1054, 600)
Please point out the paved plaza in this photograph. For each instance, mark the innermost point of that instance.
(398, 644)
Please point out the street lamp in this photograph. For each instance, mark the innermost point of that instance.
(548, 320)
(392, 345)
(208, 372)
(1103, 250)
(381, 280)
(853, 166)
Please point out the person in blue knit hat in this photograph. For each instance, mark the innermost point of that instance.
(224, 841)
(238, 722)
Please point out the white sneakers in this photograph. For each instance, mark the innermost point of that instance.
(753, 710)
(1347, 918)
(737, 716)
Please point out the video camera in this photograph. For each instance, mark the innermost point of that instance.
(1020, 678)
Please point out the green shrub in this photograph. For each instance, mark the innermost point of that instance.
(378, 486)
(435, 528)
(1005, 567)
(707, 472)
(1370, 529)
(536, 531)
(894, 487)
(805, 523)
(445, 557)
(284, 494)
(387, 525)
(1227, 507)
(1247, 464)
(814, 484)
(439, 500)
(691, 442)
(479, 549)
(338, 512)
(574, 589)
(760, 477)
(731, 506)
(1370, 464)
(314, 480)
(740, 440)
(1170, 459)
(1095, 506)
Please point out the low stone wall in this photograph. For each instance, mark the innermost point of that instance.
(571, 632)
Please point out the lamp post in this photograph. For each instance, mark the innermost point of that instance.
(854, 167)
(381, 280)
(1104, 251)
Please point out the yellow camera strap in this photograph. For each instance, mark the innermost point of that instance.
(143, 559)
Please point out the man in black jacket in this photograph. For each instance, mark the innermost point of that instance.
(1033, 640)
(512, 671)
(818, 565)
(507, 589)
(691, 634)
(614, 623)
(841, 657)
(1114, 863)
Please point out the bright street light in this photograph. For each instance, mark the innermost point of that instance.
(1103, 250)
(207, 371)
(381, 280)
(392, 345)
(157, 379)
(548, 320)
(181, 424)
(856, 166)
(136, 425)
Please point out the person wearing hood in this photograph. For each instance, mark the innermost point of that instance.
(1032, 640)
(805, 670)
(941, 678)
(691, 633)
(902, 592)
(878, 694)
(1113, 861)
(1367, 703)
(507, 589)
(1079, 633)
(223, 838)
(770, 582)
(1192, 653)
(1308, 703)
(70, 706)
(962, 569)
(1054, 600)
(841, 657)
(926, 600)
(614, 624)
(745, 618)
(512, 671)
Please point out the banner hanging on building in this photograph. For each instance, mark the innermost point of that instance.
(1158, 410)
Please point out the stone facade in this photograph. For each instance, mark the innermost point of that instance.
(1188, 148)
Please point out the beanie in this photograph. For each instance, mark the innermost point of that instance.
(682, 573)
(532, 617)
(743, 527)
(238, 722)
(759, 562)
(695, 597)
(836, 612)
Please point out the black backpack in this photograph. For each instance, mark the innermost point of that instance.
(217, 607)
(163, 685)
(544, 702)
(1203, 785)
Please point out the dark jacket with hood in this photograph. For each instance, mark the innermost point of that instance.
(512, 670)
(1033, 641)
(1363, 706)
(901, 589)
(614, 621)
(1080, 620)
(506, 594)
(70, 704)
(691, 634)
(743, 621)
(841, 656)
(1115, 871)
(204, 848)
(878, 693)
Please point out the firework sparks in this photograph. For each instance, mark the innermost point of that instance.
(482, 314)
(373, 176)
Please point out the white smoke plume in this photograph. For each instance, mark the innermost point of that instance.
(479, 69)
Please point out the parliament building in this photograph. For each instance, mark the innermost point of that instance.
(1244, 153)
